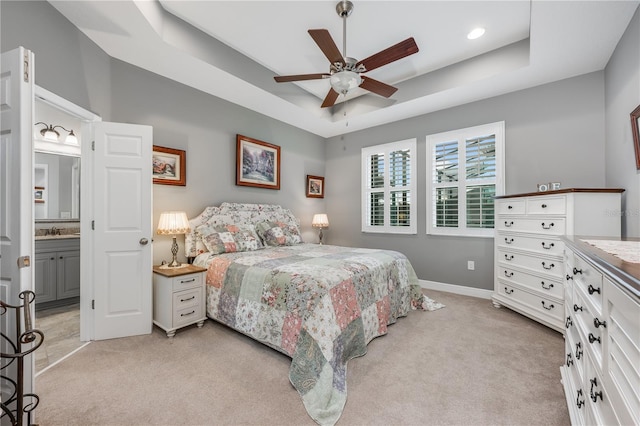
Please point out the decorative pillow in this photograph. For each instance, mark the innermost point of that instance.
(229, 238)
(278, 233)
(193, 245)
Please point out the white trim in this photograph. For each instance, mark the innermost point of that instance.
(456, 289)
(61, 359)
(62, 104)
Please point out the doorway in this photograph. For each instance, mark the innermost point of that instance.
(57, 253)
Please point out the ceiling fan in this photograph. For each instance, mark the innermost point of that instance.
(345, 73)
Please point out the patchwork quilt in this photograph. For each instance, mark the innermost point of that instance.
(319, 304)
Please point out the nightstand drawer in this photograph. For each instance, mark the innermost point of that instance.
(187, 298)
(186, 316)
(187, 281)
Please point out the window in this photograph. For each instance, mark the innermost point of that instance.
(389, 180)
(465, 173)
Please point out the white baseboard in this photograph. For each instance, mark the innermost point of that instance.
(456, 289)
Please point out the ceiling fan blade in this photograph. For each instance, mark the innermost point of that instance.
(377, 87)
(300, 77)
(330, 100)
(393, 53)
(327, 45)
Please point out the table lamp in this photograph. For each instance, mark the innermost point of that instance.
(173, 223)
(320, 221)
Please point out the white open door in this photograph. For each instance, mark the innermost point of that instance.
(16, 204)
(120, 230)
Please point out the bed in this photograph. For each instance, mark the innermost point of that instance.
(318, 304)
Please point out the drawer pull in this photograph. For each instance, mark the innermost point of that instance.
(577, 271)
(509, 207)
(568, 323)
(550, 266)
(187, 281)
(190, 298)
(508, 274)
(546, 288)
(593, 339)
(547, 247)
(578, 350)
(508, 241)
(186, 315)
(508, 291)
(547, 226)
(597, 323)
(508, 257)
(508, 224)
(547, 308)
(544, 206)
(569, 277)
(592, 289)
(569, 360)
(595, 395)
(576, 308)
(578, 402)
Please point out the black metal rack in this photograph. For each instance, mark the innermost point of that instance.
(18, 408)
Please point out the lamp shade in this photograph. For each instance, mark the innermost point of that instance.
(172, 223)
(344, 81)
(320, 221)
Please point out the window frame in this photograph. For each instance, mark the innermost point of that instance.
(366, 190)
(461, 136)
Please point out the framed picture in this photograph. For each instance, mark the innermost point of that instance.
(257, 163)
(169, 166)
(635, 124)
(315, 186)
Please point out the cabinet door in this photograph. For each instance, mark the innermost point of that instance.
(68, 273)
(45, 277)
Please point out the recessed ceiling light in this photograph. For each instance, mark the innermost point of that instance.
(478, 32)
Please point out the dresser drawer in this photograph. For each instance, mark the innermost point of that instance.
(593, 336)
(542, 226)
(552, 309)
(544, 245)
(187, 281)
(544, 286)
(547, 205)
(575, 346)
(187, 298)
(534, 263)
(511, 207)
(588, 280)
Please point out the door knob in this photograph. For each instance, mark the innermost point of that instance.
(143, 241)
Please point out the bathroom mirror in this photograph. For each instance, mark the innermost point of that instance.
(57, 187)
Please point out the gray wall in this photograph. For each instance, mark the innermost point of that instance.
(206, 127)
(622, 95)
(554, 132)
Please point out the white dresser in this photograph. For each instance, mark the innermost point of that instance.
(529, 266)
(601, 374)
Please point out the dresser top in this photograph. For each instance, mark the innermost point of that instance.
(625, 272)
(562, 191)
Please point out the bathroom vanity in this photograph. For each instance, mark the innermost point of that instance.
(57, 270)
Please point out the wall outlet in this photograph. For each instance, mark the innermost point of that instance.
(471, 265)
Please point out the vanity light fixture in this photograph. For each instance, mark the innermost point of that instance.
(173, 223)
(50, 134)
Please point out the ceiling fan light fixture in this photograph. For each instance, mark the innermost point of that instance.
(344, 81)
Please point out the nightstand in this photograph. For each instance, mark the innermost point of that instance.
(178, 297)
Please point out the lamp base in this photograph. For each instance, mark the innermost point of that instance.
(174, 250)
(320, 236)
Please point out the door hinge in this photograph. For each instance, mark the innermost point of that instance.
(24, 262)
(93, 145)
(93, 225)
(93, 303)
(26, 66)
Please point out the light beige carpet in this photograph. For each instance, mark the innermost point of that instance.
(466, 364)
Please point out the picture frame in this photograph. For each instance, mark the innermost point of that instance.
(169, 166)
(315, 186)
(635, 125)
(257, 163)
